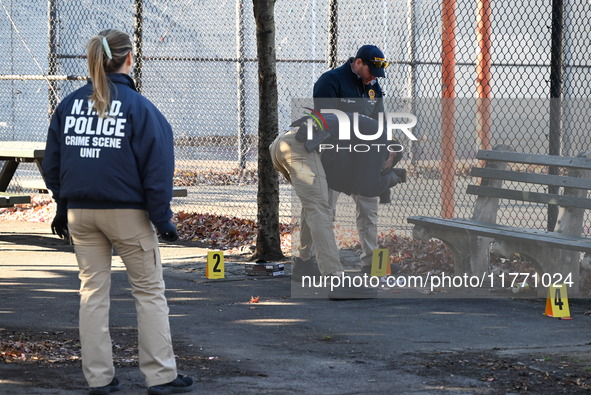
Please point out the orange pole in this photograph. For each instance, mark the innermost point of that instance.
(483, 64)
(448, 140)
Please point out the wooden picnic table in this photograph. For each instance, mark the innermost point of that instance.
(16, 152)
(13, 153)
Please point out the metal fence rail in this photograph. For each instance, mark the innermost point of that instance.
(196, 60)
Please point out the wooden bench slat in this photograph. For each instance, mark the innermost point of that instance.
(179, 192)
(528, 196)
(25, 151)
(32, 184)
(10, 199)
(534, 159)
(41, 188)
(541, 237)
(532, 178)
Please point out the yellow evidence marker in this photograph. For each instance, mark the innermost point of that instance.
(380, 262)
(214, 267)
(557, 302)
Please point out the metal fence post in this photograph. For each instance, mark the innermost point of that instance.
(448, 138)
(415, 148)
(52, 54)
(333, 30)
(483, 73)
(138, 36)
(241, 101)
(555, 98)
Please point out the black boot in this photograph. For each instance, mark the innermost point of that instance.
(302, 268)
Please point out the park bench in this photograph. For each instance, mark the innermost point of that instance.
(12, 153)
(555, 254)
(10, 199)
(179, 192)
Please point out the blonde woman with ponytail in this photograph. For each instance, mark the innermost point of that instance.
(109, 162)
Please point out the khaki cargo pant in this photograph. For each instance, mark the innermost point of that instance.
(366, 219)
(305, 173)
(94, 234)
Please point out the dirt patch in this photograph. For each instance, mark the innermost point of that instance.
(539, 373)
(50, 361)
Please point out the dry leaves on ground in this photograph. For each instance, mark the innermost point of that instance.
(16, 347)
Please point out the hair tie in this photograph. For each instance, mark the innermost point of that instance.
(107, 49)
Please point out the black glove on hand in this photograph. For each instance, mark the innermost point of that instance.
(59, 225)
(392, 178)
(167, 231)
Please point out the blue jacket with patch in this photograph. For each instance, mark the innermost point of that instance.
(343, 89)
(125, 160)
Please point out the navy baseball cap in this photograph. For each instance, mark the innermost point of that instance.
(374, 58)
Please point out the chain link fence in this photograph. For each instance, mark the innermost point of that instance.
(505, 63)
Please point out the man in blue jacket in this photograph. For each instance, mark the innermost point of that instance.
(353, 87)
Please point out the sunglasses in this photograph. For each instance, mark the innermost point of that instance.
(379, 63)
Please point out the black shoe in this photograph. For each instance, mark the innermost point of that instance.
(176, 386)
(394, 269)
(107, 389)
(302, 268)
(347, 291)
(366, 270)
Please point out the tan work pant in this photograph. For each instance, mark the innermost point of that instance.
(366, 220)
(304, 171)
(95, 233)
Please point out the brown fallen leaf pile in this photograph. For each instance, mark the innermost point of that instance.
(17, 348)
(59, 347)
(40, 209)
(415, 256)
(221, 231)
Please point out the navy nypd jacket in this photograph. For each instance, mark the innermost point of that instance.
(125, 160)
(342, 89)
(352, 172)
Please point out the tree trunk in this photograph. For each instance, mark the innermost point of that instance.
(268, 244)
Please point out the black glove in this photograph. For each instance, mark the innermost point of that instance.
(167, 231)
(391, 178)
(385, 197)
(59, 225)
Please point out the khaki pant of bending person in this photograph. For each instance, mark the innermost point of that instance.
(305, 173)
(366, 219)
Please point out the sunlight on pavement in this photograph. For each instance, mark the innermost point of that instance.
(270, 321)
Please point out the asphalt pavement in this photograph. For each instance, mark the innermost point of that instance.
(280, 344)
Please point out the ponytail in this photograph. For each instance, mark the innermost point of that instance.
(106, 54)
